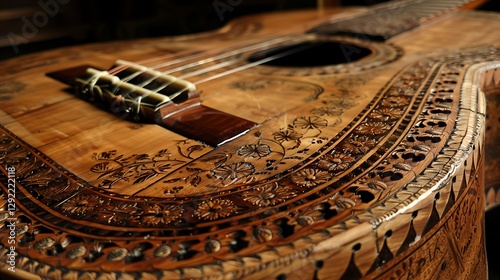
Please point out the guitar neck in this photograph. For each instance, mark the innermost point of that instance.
(390, 19)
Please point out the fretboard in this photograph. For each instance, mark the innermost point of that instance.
(388, 20)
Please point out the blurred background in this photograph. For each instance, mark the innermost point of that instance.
(56, 23)
(72, 22)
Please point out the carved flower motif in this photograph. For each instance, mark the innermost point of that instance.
(117, 213)
(386, 114)
(310, 123)
(398, 101)
(215, 209)
(270, 194)
(327, 111)
(310, 177)
(373, 128)
(358, 144)
(254, 150)
(335, 162)
(233, 171)
(287, 135)
(162, 215)
(81, 204)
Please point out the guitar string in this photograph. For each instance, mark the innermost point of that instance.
(406, 5)
(124, 67)
(202, 53)
(192, 74)
(133, 102)
(197, 63)
(409, 5)
(179, 92)
(118, 69)
(216, 66)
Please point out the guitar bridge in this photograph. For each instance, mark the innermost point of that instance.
(142, 94)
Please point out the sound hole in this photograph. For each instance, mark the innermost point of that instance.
(310, 54)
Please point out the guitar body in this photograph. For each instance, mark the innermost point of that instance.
(371, 168)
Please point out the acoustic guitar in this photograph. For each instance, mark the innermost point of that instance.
(336, 144)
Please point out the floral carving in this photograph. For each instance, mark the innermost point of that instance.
(310, 123)
(327, 111)
(396, 101)
(254, 150)
(310, 177)
(161, 214)
(117, 213)
(335, 162)
(288, 135)
(214, 209)
(82, 204)
(134, 169)
(357, 144)
(270, 194)
(233, 171)
(373, 128)
(387, 114)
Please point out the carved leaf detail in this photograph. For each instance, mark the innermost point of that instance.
(174, 180)
(402, 166)
(161, 153)
(344, 203)
(164, 167)
(377, 185)
(145, 176)
(422, 148)
(195, 181)
(100, 167)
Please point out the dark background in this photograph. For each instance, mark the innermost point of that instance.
(82, 21)
(76, 21)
